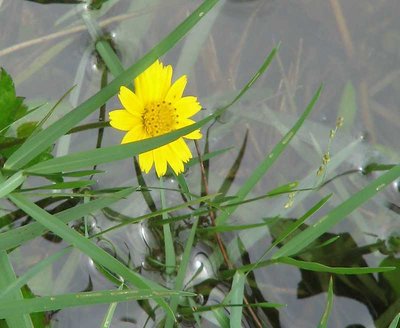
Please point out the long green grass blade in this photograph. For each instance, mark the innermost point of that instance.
(110, 312)
(47, 137)
(113, 153)
(182, 269)
(7, 276)
(304, 238)
(395, 322)
(328, 308)
(237, 291)
(11, 184)
(317, 267)
(264, 166)
(56, 302)
(20, 235)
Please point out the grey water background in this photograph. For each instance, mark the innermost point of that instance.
(219, 56)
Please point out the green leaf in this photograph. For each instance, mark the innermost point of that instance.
(56, 302)
(394, 323)
(8, 100)
(393, 277)
(304, 238)
(328, 308)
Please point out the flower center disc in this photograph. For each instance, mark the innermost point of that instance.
(159, 118)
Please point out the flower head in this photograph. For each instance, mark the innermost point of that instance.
(155, 108)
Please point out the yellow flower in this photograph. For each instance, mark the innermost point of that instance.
(155, 108)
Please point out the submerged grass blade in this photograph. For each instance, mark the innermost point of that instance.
(264, 166)
(304, 238)
(47, 137)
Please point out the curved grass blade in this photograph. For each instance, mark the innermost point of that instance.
(20, 235)
(56, 302)
(328, 308)
(336, 215)
(230, 178)
(310, 266)
(47, 137)
(264, 166)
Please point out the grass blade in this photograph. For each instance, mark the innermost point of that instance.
(110, 312)
(237, 291)
(264, 166)
(20, 235)
(7, 277)
(11, 184)
(113, 153)
(336, 215)
(394, 323)
(329, 303)
(56, 302)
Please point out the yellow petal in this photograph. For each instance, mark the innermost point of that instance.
(160, 160)
(123, 120)
(153, 83)
(132, 103)
(176, 90)
(146, 161)
(187, 106)
(174, 161)
(135, 134)
(186, 122)
(181, 150)
(196, 134)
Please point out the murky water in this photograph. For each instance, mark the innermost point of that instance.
(349, 46)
